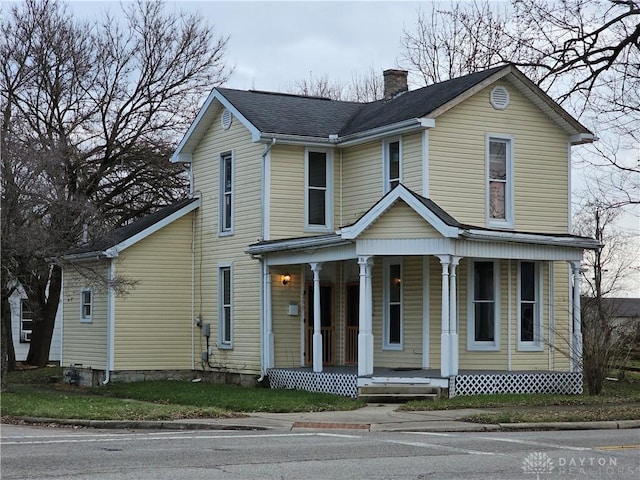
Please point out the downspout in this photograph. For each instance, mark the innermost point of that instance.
(263, 263)
(110, 322)
(193, 290)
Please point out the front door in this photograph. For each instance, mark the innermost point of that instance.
(352, 320)
(327, 327)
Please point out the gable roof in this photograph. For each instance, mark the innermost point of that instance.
(117, 240)
(296, 118)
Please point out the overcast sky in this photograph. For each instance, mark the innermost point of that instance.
(273, 44)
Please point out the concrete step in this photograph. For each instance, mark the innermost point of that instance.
(398, 393)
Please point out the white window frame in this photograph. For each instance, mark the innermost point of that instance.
(472, 344)
(328, 199)
(86, 318)
(386, 167)
(537, 344)
(223, 343)
(506, 222)
(386, 302)
(25, 333)
(223, 229)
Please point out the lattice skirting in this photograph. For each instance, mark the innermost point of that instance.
(567, 383)
(337, 383)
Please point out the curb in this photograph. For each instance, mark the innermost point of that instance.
(470, 427)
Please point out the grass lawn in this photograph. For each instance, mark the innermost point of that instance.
(620, 400)
(32, 394)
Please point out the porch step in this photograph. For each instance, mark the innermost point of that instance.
(398, 393)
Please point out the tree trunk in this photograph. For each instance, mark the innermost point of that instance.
(43, 328)
(6, 342)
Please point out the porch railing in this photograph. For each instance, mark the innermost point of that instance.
(351, 345)
(328, 345)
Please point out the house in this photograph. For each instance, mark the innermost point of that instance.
(22, 324)
(422, 239)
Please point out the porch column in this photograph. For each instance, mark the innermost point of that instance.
(269, 354)
(453, 316)
(317, 332)
(445, 336)
(365, 329)
(576, 336)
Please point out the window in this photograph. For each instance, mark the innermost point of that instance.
(529, 310)
(26, 321)
(318, 191)
(86, 305)
(225, 318)
(226, 193)
(483, 324)
(499, 181)
(392, 156)
(392, 296)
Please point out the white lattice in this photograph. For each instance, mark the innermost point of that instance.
(337, 383)
(566, 383)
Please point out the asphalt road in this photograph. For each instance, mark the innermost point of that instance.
(64, 453)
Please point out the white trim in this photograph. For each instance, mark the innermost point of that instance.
(266, 197)
(116, 249)
(569, 190)
(405, 127)
(538, 324)
(222, 232)
(425, 164)
(472, 344)
(508, 221)
(203, 121)
(425, 311)
(387, 263)
(552, 315)
(399, 193)
(386, 170)
(222, 345)
(329, 191)
(88, 318)
(111, 319)
(509, 315)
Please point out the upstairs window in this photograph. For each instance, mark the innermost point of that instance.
(26, 321)
(86, 305)
(226, 194)
(318, 190)
(499, 181)
(392, 157)
(530, 310)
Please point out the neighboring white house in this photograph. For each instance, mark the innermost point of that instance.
(21, 324)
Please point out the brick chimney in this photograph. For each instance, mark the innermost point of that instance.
(395, 82)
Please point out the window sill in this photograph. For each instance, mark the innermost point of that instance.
(475, 347)
(317, 229)
(524, 347)
(392, 347)
(223, 346)
(225, 234)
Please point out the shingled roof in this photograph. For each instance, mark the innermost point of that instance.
(115, 237)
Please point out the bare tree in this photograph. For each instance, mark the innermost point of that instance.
(90, 114)
(606, 344)
(362, 87)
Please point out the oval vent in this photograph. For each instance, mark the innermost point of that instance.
(499, 98)
(226, 119)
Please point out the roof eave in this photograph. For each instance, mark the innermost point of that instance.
(541, 239)
(406, 126)
(324, 241)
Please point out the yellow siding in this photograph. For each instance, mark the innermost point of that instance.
(561, 332)
(153, 325)
(362, 180)
(457, 162)
(287, 192)
(401, 221)
(412, 162)
(286, 328)
(212, 249)
(85, 343)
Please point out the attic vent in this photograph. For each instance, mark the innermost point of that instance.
(499, 98)
(226, 119)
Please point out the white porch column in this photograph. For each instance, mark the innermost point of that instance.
(445, 336)
(317, 332)
(453, 316)
(269, 354)
(576, 337)
(365, 323)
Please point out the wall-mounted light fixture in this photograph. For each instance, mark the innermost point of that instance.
(286, 278)
(397, 281)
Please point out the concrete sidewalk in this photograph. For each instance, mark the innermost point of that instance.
(373, 418)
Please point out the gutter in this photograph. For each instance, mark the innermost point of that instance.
(571, 242)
